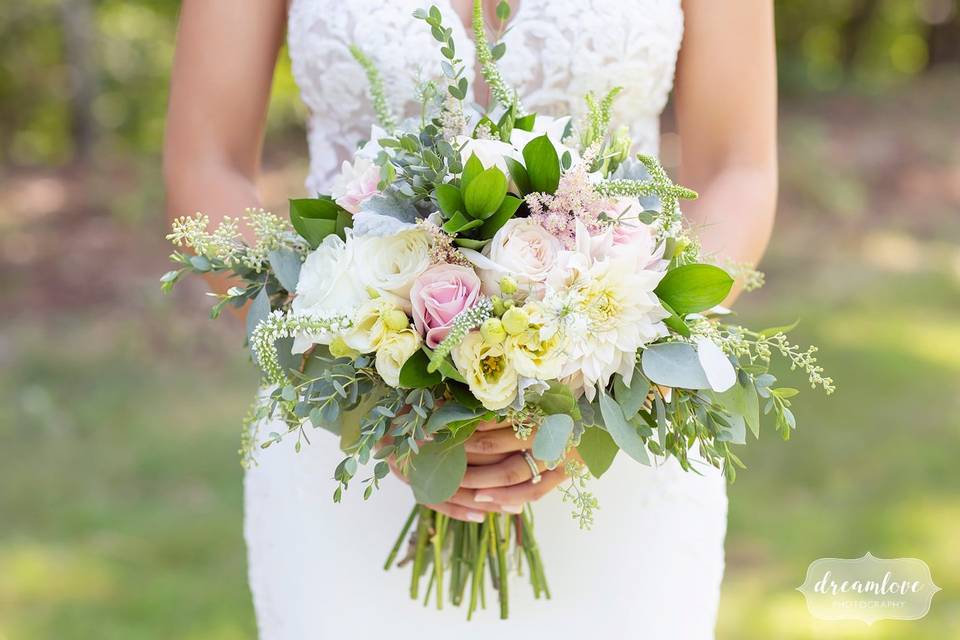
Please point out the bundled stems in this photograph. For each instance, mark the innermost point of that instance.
(471, 551)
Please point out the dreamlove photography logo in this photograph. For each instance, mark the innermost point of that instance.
(868, 588)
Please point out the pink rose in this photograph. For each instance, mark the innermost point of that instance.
(438, 295)
(356, 184)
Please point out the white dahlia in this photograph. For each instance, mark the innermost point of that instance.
(605, 306)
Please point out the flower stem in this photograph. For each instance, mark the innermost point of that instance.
(403, 535)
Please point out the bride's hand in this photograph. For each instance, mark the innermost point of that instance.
(506, 481)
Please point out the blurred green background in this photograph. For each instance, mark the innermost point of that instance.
(120, 493)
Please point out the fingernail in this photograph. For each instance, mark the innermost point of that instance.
(474, 516)
(482, 497)
(513, 508)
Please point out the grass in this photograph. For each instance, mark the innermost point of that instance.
(121, 497)
(120, 488)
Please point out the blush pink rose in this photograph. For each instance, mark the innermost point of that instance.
(355, 184)
(438, 295)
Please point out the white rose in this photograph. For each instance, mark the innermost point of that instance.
(521, 249)
(490, 153)
(395, 349)
(390, 264)
(487, 370)
(328, 286)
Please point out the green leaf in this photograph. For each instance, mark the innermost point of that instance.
(438, 470)
(448, 199)
(694, 287)
(526, 122)
(471, 170)
(675, 322)
(598, 450)
(622, 432)
(451, 412)
(459, 223)
(414, 374)
(519, 175)
(772, 331)
(470, 243)
(314, 218)
(543, 164)
(631, 398)
(741, 400)
(461, 393)
(552, 436)
(500, 217)
(258, 311)
(674, 364)
(559, 399)
(286, 266)
(344, 222)
(483, 195)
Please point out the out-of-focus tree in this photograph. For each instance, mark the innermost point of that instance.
(88, 78)
(864, 44)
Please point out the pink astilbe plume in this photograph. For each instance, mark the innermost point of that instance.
(575, 200)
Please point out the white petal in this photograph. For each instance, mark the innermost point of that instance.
(720, 373)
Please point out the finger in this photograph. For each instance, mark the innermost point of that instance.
(513, 470)
(492, 425)
(464, 498)
(457, 512)
(486, 458)
(396, 470)
(498, 441)
(522, 493)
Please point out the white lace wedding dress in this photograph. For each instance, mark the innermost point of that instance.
(652, 565)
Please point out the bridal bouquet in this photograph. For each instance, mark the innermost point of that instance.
(497, 265)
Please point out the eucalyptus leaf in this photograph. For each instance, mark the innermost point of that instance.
(449, 413)
(438, 468)
(623, 433)
(552, 437)
(674, 364)
(258, 312)
(631, 398)
(286, 266)
(598, 450)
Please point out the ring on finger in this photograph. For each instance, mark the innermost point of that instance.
(534, 469)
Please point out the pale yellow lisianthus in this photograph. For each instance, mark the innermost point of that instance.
(488, 371)
(536, 352)
(373, 321)
(394, 350)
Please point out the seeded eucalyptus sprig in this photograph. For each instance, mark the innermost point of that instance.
(453, 67)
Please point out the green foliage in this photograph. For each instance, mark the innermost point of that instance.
(316, 218)
(693, 288)
(597, 449)
(674, 364)
(542, 165)
(438, 469)
(624, 433)
(551, 440)
(415, 374)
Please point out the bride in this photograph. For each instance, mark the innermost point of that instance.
(653, 563)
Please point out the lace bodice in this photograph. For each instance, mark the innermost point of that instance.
(556, 52)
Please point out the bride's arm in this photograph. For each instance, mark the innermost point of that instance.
(726, 107)
(220, 87)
